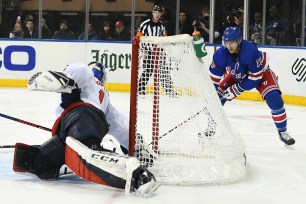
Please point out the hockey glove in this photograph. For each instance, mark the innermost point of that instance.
(220, 93)
(53, 81)
(232, 92)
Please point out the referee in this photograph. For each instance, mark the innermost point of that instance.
(153, 27)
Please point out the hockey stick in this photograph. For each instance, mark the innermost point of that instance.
(13, 146)
(182, 123)
(25, 122)
(7, 146)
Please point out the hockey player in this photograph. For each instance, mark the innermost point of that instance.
(118, 122)
(77, 134)
(239, 66)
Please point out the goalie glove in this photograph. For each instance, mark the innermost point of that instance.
(52, 81)
(232, 92)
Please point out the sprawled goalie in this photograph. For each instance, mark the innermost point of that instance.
(77, 134)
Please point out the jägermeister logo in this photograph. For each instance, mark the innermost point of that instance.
(112, 61)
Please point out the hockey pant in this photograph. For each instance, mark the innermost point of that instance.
(270, 92)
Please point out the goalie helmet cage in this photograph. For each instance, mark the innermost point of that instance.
(179, 106)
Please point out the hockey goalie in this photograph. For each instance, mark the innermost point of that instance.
(77, 134)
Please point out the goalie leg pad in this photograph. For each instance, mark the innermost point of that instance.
(50, 158)
(95, 166)
(109, 169)
(36, 160)
(24, 157)
(51, 81)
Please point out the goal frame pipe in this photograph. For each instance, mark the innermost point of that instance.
(156, 92)
(133, 97)
(133, 94)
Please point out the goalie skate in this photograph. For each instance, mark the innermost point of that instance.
(210, 131)
(64, 170)
(139, 180)
(147, 185)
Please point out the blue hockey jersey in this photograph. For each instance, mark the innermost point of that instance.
(247, 66)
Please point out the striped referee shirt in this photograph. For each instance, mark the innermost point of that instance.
(149, 28)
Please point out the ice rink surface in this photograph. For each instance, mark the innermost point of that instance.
(276, 175)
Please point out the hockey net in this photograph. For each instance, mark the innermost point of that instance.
(172, 113)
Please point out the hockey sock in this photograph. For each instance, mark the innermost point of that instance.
(276, 104)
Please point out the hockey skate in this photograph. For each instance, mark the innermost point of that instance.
(172, 93)
(210, 131)
(64, 170)
(144, 153)
(141, 95)
(285, 137)
(139, 180)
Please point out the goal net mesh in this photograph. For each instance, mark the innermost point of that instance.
(174, 104)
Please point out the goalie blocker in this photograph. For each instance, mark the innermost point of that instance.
(99, 167)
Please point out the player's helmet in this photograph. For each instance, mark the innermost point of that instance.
(157, 8)
(231, 34)
(99, 71)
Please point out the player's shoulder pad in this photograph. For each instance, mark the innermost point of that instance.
(248, 51)
(220, 55)
(220, 52)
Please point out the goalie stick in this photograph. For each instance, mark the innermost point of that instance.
(7, 146)
(182, 123)
(13, 146)
(25, 122)
(149, 154)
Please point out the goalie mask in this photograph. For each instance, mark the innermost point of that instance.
(99, 71)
